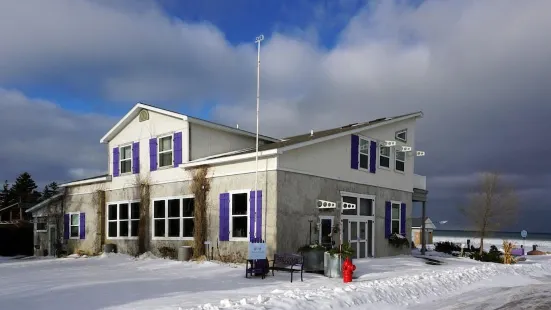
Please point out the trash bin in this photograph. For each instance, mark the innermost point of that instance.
(109, 248)
(184, 253)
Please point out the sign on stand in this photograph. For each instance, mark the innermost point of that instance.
(257, 250)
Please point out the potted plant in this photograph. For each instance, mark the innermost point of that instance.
(313, 257)
(334, 258)
(398, 241)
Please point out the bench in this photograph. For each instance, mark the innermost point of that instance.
(288, 262)
(257, 266)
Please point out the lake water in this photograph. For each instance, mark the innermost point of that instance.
(542, 240)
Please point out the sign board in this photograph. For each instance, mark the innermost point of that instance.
(257, 250)
(523, 233)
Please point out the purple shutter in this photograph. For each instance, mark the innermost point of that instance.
(354, 144)
(373, 157)
(224, 225)
(403, 219)
(388, 219)
(66, 226)
(177, 148)
(252, 209)
(259, 216)
(152, 154)
(82, 226)
(116, 162)
(136, 157)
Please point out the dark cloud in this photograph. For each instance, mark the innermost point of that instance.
(479, 70)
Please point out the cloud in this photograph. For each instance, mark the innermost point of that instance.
(49, 142)
(478, 69)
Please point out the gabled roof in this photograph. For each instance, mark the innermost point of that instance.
(44, 203)
(417, 222)
(135, 111)
(299, 141)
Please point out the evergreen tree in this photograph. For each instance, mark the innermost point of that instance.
(24, 189)
(6, 197)
(50, 190)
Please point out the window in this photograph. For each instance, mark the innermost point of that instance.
(123, 219)
(384, 157)
(364, 153)
(126, 159)
(402, 135)
(239, 215)
(40, 224)
(400, 161)
(165, 151)
(364, 205)
(173, 217)
(395, 218)
(74, 225)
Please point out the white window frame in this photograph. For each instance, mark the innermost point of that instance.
(325, 217)
(400, 132)
(164, 152)
(389, 157)
(241, 191)
(399, 203)
(364, 153)
(397, 160)
(129, 159)
(71, 224)
(107, 221)
(166, 218)
(45, 224)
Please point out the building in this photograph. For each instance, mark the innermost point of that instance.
(416, 230)
(161, 150)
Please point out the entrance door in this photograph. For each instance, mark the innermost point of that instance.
(52, 237)
(359, 234)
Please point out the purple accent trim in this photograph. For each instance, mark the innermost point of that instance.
(116, 162)
(224, 225)
(82, 226)
(136, 157)
(177, 148)
(354, 145)
(403, 219)
(259, 215)
(252, 211)
(373, 157)
(66, 226)
(152, 154)
(388, 219)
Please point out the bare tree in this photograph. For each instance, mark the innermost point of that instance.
(492, 205)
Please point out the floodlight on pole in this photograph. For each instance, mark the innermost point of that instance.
(259, 39)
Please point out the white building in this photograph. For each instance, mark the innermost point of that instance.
(348, 164)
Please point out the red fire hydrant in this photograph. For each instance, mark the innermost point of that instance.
(347, 270)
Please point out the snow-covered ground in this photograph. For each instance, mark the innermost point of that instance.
(543, 245)
(405, 282)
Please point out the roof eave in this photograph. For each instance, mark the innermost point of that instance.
(229, 159)
(100, 179)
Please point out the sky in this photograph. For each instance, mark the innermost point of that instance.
(479, 70)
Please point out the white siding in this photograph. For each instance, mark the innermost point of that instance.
(208, 141)
(331, 159)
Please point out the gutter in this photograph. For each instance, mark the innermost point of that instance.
(230, 159)
(88, 181)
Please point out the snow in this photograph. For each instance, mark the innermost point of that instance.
(543, 245)
(116, 281)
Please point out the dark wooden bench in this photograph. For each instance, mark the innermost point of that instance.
(257, 267)
(288, 262)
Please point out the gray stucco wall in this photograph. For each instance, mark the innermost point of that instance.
(297, 195)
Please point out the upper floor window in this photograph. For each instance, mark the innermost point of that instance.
(402, 135)
(384, 157)
(126, 159)
(364, 153)
(400, 161)
(165, 151)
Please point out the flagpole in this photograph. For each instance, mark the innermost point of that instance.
(257, 41)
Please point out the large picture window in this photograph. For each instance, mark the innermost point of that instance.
(173, 217)
(123, 219)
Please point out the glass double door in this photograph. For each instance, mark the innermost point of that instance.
(359, 233)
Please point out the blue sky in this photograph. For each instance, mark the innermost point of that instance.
(73, 67)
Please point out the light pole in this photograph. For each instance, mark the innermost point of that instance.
(259, 39)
